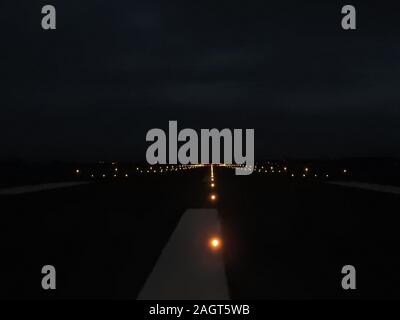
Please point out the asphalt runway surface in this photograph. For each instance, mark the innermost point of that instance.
(282, 238)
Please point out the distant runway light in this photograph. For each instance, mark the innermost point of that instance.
(212, 185)
(213, 197)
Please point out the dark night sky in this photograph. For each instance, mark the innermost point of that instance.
(115, 69)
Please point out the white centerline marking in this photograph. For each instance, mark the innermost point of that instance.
(368, 186)
(188, 268)
(39, 187)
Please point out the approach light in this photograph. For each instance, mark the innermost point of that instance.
(213, 197)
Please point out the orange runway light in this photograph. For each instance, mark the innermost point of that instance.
(212, 185)
(215, 243)
(213, 197)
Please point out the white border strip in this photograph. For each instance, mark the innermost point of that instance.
(39, 187)
(368, 186)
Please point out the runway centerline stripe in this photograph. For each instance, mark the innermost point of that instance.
(188, 269)
(368, 186)
(39, 187)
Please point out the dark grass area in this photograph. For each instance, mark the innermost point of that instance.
(103, 238)
(288, 238)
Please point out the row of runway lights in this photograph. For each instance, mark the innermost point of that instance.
(115, 172)
(170, 168)
(214, 242)
(213, 196)
(307, 172)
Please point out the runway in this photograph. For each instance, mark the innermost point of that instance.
(138, 238)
